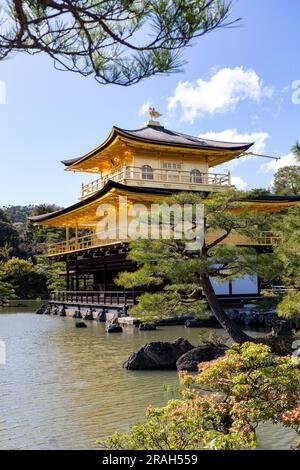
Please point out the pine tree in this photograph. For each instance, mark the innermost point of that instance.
(117, 41)
(180, 275)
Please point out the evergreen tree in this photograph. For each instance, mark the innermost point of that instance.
(287, 181)
(117, 41)
(9, 238)
(296, 150)
(182, 275)
(24, 278)
(287, 252)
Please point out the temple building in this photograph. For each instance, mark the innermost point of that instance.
(144, 166)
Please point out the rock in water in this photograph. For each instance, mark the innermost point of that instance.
(113, 328)
(77, 314)
(101, 317)
(206, 352)
(147, 326)
(56, 310)
(63, 312)
(80, 324)
(158, 355)
(88, 315)
(281, 328)
(41, 310)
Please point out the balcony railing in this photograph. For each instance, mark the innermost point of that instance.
(92, 241)
(82, 243)
(160, 176)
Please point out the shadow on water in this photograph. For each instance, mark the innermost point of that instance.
(64, 388)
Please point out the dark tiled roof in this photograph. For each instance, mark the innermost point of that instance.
(160, 135)
(274, 198)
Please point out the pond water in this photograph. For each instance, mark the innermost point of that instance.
(64, 388)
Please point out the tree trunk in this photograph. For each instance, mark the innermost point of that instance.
(232, 328)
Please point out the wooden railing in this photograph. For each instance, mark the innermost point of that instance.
(118, 298)
(177, 177)
(265, 238)
(92, 241)
(82, 243)
(268, 239)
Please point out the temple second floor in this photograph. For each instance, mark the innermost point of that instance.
(156, 157)
(191, 176)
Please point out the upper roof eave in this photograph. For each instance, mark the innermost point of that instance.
(158, 135)
(108, 186)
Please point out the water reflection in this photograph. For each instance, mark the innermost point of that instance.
(64, 388)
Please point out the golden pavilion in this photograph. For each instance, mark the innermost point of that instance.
(145, 165)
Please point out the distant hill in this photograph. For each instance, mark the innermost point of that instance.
(18, 214)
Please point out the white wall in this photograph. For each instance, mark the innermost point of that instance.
(246, 285)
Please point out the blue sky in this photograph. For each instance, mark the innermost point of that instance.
(236, 83)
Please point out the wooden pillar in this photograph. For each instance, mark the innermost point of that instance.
(76, 276)
(67, 276)
(67, 239)
(76, 236)
(105, 276)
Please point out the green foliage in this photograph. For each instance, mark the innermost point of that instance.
(287, 181)
(176, 270)
(117, 41)
(52, 271)
(25, 271)
(31, 240)
(287, 251)
(18, 214)
(37, 238)
(7, 290)
(9, 238)
(24, 278)
(296, 150)
(160, 305)
(221, 407)
(259, 192)
(289, 307)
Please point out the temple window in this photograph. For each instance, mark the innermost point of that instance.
(196, 176)
(171, 166)
(147, 172)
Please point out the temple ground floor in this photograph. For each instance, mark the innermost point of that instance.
(91, 289)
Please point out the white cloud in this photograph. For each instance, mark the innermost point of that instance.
(232, 135)
(238, 182)
(221, 93)
(274, 165)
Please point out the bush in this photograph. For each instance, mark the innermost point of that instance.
(221, 407)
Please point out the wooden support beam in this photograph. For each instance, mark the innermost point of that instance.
(105, 276)
(67, 276)
(76, 236)
(76, 277)
(67, 238)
